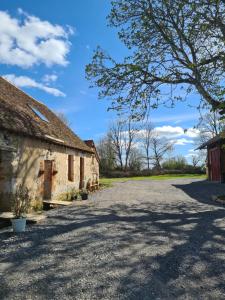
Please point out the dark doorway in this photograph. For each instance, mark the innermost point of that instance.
(48, 169)
(81, 172)
(214, 159)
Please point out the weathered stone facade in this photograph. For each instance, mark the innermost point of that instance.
(23, 161)
(39, 151)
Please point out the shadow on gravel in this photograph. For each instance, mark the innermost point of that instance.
(203, 191)
(145, 251)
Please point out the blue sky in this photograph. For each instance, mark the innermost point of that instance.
(54, 72)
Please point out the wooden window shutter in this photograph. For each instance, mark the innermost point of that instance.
(70, 167)
(41, 168)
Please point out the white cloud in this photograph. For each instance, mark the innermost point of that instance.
(192, 132)
(28, 41)
(25, 81)
(182, 142)
(168, 131)
(49, 78)
(192, 152)
(176, 134)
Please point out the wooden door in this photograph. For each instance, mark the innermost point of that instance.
(48, 165)
(81, 172)
(215, 172)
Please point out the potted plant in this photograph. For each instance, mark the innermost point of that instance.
(84, 194)
(20, 205)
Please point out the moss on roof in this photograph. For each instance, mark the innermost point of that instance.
(19, 113)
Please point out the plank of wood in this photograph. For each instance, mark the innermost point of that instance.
(54, 202)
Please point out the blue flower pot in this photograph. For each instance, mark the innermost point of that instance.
(19, 225)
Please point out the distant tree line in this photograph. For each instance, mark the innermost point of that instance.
(133, 149)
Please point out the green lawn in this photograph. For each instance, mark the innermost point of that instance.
(107, 182)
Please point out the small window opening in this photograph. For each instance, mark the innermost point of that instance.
(70, 167)
(38, 113)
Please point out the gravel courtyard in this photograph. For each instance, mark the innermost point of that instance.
(136, 240)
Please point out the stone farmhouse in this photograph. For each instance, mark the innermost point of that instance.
(39, 151)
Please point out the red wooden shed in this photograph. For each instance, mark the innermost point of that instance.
(215, 158)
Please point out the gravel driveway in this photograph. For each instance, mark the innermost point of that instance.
(136, 240)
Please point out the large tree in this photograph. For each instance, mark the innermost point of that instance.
(145, 139)
(160, 147)
(122, 134)
(173, 45)
(135, 159)
(106, 154)
(210, 124)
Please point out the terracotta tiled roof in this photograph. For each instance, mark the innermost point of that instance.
(23, 114)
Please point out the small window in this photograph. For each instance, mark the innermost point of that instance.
(93, 159)
(38, 113)
(70, 168)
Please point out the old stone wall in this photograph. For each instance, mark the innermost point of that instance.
(22, 161)
(8, 152)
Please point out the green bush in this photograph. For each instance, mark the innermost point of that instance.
(188, 169)
(175, 163)
(37, 205)
(21, 201)
(69, 195)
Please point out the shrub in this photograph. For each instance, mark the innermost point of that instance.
(69, 195)
(37, 205)
(188, 169)
(20, 202)
(175, 163)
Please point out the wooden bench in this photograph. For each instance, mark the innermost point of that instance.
(48, 203)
